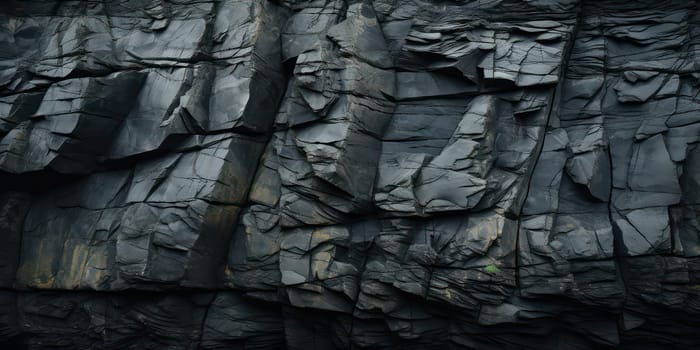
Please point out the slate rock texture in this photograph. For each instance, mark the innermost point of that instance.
(326, 174)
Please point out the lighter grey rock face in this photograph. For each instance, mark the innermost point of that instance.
(266, 174)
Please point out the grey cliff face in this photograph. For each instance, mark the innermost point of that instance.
(327, 174)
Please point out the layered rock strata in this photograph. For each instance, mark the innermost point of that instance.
(258, 174)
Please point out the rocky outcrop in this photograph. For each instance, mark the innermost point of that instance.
(258, 174)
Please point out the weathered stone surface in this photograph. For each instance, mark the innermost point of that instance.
(266, 174)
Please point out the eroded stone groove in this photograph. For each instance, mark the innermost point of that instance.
(331, 174)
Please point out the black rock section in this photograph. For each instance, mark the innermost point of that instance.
(327, 174)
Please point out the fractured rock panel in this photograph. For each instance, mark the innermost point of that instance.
(325, 174)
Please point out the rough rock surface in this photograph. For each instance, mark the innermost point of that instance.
(322, 174)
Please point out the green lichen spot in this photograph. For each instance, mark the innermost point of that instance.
(491, 268)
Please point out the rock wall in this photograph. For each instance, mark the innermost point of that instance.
(322, 174)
